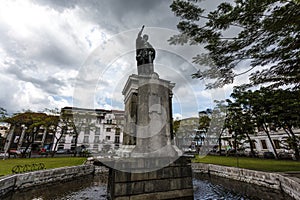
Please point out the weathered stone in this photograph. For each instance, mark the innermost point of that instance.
(175, 184)
(139, 176)
(152, 175)
(137, 187)
(26, 180)
(121, 176)
(149, 186)
(265, 179)
(162, 185)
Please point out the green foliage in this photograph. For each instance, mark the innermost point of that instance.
(263, 33)
(33, 122)
(251, 163)
(50, 163)
(176, 125)
(204, 122)
(3, 114)
(270, 109)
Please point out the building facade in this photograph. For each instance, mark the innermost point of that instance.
(20, 137)
(98, 130)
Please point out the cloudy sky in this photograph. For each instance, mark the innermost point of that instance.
(56, 53)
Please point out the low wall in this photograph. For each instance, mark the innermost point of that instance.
(26, 180)
(266, 179)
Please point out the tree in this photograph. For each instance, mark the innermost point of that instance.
(258, 104)
(239, 121)
(32, 123)
(176, 125)
(263, 33)
(3, 114)
(204, 120)
(273, 109)
(285, 112)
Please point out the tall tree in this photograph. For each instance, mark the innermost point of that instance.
(273, 109)
(3, 114)
(240, 122)
(258, 103)
(285, 112)
(33, 122)
(263, 33)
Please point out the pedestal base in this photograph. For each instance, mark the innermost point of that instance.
(171, 182)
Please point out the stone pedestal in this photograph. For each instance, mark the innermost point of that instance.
(150, 166)
(171, 182)
(148, 115)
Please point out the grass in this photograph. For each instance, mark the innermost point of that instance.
(258, 164)
(50, 163)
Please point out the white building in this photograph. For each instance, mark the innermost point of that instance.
(261, 141)
(99, 130)
(4, 128)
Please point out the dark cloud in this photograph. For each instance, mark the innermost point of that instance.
(59, 45)
(119, 15)
(49, 84)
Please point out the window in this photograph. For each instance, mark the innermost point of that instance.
(109, 121)
(87, 130)
(118, 131)
(97, 131)
(96, 139)
(253, 144)
(108, 129)
(277, 144)
(86, 139)
(117, 139)
(108, 137)
(264, 144)
(98, 120)
(260, 128)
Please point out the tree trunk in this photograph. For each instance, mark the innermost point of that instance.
(75, 150)
(270, 139)
(57, 141)
(220, 144)
(251, 145)
(295, 144)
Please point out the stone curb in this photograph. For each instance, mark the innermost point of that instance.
(30, 179)
(266, 179)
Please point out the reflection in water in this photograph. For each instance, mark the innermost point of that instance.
(88, 187)
(213, 187)
(203, 189)
(94, 188)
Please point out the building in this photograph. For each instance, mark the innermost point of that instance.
(261, 142)
(20, 136)
(4, 128)
(98, 130)
(186, 132)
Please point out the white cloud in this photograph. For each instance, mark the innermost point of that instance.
(45, 48)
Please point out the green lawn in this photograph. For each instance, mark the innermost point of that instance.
(252, 163)
(50, 163)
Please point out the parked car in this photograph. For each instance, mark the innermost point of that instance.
(3, 154)
(22, 150)
(268, 155)
(285, 156)
(62, 151)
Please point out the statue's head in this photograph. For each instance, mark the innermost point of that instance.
(145, 37)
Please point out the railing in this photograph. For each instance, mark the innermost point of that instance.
(27, 168)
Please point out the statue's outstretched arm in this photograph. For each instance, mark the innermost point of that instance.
(140, 33)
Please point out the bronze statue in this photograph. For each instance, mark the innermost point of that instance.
(145, 53)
